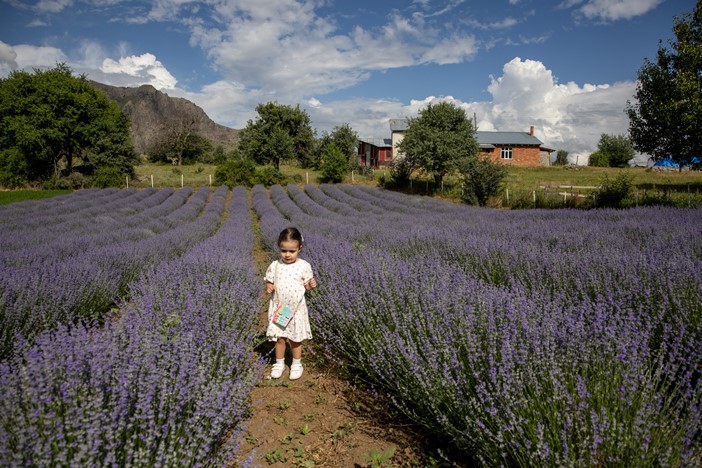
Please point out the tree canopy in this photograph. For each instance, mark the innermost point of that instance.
(279, 133)
(345, 139)
(665, 121)
(613, 151)
(50, 120)
(180, 144)
(439, 139)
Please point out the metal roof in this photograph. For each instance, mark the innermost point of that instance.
(379, 142)
(507, 138)
(484, 139)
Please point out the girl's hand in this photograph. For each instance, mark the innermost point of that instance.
(311, 284)
(270, 287)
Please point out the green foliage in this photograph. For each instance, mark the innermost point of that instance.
(279, 133)
(180, 144)
(665, 121)
(617, 149)
(400, 172)
(108, 176)
(598, 159)
(561, 158)
(244, 172)
(482, 179)
(439, 139)
(334, 164)
(49, 119)
(612, 193)
(345, 139)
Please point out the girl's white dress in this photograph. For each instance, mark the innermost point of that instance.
(289, 289)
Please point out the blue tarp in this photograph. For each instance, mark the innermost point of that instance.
(670, 163)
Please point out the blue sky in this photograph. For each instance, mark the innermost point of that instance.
(567, 67)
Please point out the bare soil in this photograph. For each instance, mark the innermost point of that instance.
(323, 420)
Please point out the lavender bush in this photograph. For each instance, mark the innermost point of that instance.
(165, 383)
(540, 338)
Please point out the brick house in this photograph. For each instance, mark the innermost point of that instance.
(512, 148)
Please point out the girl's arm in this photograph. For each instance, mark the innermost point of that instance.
(311, 284)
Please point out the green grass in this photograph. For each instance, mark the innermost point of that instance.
(13, 196)
(167, 175)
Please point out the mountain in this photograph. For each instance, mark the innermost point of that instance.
(152, 112)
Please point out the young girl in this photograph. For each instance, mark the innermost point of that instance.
(287, 279)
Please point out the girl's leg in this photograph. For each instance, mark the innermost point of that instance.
(296, 349)
(279, 366)
(296, 367)
(280, 348)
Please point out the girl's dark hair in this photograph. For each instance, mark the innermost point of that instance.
(290, 234)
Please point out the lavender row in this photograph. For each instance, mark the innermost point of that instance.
(81, 204)
(118, 222)
(548, 339)
(165, 384)
(59, 290)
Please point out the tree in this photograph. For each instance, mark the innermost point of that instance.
(180, 144)
(598, 159)
(666, 119)
(50, 119)
(334, 164)
(279, 133)
(561, 158)
(617, 150)
(439, 139)
(345, 139)
(482, 179)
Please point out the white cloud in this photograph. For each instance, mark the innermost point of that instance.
(613, 10)
(285, 45)
(144, 67)
(8, 58)
(30, 56)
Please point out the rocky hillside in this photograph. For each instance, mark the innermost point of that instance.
(152, 112)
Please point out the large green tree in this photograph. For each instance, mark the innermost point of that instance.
(279, 133)
(439, 139)
(665, 121)
(615, 150)
(180, 143)
(50, 120)
(345, 139)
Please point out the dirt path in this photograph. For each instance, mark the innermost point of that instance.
(322, 420)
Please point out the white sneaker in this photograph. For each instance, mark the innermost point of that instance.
(277, 370)
(295, 371)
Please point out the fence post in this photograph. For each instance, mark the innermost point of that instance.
(507, 192)
(181, 181)
(533, 193)
(210, 180)
(307, 178)
(152, 181)
(352, 180)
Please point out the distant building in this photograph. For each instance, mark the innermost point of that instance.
(375, 152)
(512, 148)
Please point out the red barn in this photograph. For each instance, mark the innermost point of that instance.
(375, 152)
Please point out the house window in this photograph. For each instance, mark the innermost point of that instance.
(506, 152)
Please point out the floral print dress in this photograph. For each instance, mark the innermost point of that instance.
(290, 290)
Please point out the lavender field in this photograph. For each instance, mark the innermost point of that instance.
(518, 338)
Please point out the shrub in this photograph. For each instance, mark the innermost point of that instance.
(236, 172)
(482, 178)
(598, 159)
(612, 193)
(108, 176)
(400, 172)
(334, 164)
(269, 175)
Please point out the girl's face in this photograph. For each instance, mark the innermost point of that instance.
(289, 250)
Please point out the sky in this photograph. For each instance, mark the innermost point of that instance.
(566, 67)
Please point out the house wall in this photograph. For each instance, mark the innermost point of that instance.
(373, 156)
(396, 139)
(521, 156)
